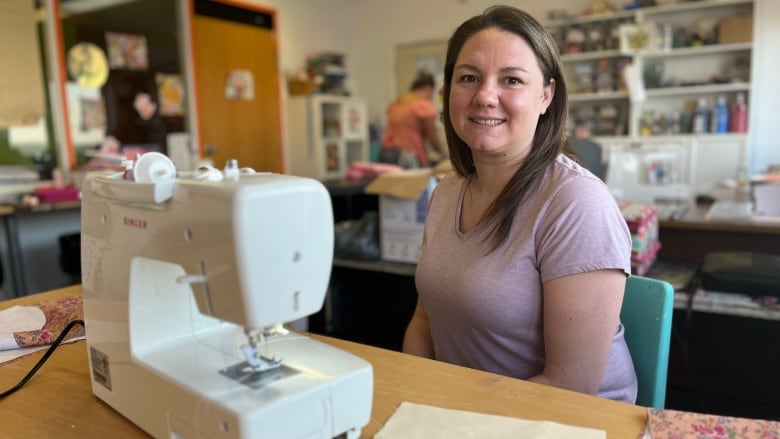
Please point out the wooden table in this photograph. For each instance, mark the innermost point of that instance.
(694, 235)
(58, 401)
(723, 353)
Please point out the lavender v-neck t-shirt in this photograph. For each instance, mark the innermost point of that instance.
(485, 311)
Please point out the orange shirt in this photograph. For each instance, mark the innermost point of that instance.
(405, 126)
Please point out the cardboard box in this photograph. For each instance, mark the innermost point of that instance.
(403, 205)
(735, 29)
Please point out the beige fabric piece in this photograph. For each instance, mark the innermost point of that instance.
(416, 421)
(16, 319)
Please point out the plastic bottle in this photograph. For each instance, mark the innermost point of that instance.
(719, 122)
(674, 123)
(686, 122)
(701, 117)
(739, 114)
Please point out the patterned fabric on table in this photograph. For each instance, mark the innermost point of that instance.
(57, 314)
(673, 424)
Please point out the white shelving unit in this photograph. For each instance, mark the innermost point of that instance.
(687, 75)
(697, 50)
(686, 70)
(326, 134)
(702, 160)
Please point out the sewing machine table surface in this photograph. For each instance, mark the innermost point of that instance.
(58, 401)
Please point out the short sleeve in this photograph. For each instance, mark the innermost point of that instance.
(582, 230)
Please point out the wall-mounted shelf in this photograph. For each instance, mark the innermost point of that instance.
(719, 67)
(571, 21)
(697, 6)
(697, 89)
(591, 56)
(675, 69)
(598, 96)
(697, 50)
(641, 13)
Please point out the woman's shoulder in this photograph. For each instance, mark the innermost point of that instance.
(565, 168)
(569, 180)
(448, 186)
(566, 165)
(449, 181)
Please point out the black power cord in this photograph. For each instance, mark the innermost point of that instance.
(43, 359)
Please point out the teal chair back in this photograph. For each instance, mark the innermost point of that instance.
(647, 318)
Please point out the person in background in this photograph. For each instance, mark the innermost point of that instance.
(525, 253)
(411, 121)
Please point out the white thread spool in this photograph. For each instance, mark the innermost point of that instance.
(208, 173)
(153, 167)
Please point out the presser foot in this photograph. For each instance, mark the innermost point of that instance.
(254, 377)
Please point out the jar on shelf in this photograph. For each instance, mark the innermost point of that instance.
(652, 73)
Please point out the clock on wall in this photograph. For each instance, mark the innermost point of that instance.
(87, 65)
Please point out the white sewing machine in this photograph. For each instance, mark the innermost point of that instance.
(186, 282)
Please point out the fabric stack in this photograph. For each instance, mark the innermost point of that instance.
(15, 181)
(642, 220)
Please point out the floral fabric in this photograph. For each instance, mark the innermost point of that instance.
(673, 424)
(58, 312)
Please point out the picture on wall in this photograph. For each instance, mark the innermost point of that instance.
(428, 63)
(93, 114)
(412, 58)
(240, 85)
(127, 51)
(170, 90)
(87, 115)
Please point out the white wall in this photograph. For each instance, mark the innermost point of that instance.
(764, 119)
(307, 27)
(368, 32)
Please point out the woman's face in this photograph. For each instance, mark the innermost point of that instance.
(497, 94)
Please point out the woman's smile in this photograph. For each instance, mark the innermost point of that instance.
(488, 122)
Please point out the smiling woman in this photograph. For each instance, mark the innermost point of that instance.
(525, 254)
(497, 97)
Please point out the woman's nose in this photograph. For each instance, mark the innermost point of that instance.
(487, 95)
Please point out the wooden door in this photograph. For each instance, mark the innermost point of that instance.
(237, 85)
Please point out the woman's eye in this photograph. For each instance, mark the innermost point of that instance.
(468, 78)
(513, 81)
